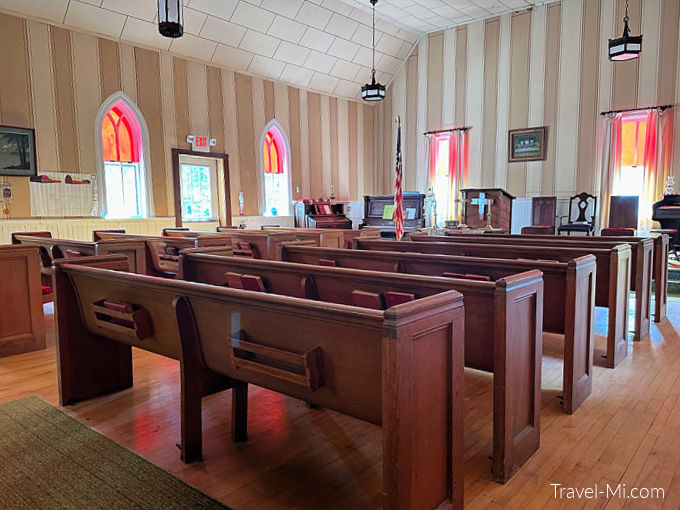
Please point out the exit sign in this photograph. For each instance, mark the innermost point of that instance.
(201, 143)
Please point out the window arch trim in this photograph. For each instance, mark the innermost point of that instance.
(144, 148)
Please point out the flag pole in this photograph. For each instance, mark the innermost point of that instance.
(398, 214)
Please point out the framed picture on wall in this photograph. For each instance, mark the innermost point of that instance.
(527, 144)
(17, 151)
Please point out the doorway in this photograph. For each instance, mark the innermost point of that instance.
(201, 187)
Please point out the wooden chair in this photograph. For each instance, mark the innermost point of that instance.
(623, 216)
(581, 223)
(543, 214)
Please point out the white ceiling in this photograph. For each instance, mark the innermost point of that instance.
(323, 45)
(424, 16)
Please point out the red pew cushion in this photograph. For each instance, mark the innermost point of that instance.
(617, 232)
(468, 276)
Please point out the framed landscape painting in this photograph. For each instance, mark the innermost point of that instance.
(527, 144)
(17, 151)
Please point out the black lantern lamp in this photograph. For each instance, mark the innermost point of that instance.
(628, 47)
(170, 18)
(373, 91)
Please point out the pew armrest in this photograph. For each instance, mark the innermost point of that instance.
(304, 369)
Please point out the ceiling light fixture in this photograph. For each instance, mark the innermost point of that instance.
(628, 47)
(373, 91)
(170, 18)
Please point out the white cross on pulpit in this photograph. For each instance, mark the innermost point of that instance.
(481, 202)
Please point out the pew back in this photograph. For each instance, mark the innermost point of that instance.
(326, 237)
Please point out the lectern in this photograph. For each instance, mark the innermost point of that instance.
(480, 202)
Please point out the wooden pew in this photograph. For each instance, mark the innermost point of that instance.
(53, 248)
(162, 253)
(22, 324)
(642, 263)
(612, 286)
(660, 262)
(91, 365)
(401, 368)
(510, 349)
(325, 237)
(568, 297)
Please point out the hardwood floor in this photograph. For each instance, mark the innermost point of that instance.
(627, 432)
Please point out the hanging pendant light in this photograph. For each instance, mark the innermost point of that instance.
(628, 47)
(373, 91)
(170, 18)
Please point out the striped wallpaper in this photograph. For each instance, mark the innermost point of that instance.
(54, 80)
(546, 66)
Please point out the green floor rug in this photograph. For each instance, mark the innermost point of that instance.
(49, 460)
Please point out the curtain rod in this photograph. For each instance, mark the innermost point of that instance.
(661, 107)
(451, 130)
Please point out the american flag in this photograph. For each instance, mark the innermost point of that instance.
(398, 215)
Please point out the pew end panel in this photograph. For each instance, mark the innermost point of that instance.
(661, 251)
(642, 274)
(133, 249)
(22, 324)
(619, 291)
(422, 393)
(578, 352)
(517, 371)
(88, 364)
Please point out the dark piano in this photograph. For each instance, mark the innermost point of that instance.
(667, 212)
(414, 216)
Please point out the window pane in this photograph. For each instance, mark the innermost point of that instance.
(630, 181)
(196, 185)
(122, 189)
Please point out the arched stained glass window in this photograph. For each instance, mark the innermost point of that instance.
(276, 174)
(124, 173)
(273, 164)
(117, 138)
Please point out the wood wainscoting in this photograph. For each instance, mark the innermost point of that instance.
(80, 229)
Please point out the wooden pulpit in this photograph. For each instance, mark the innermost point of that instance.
(478, 203)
